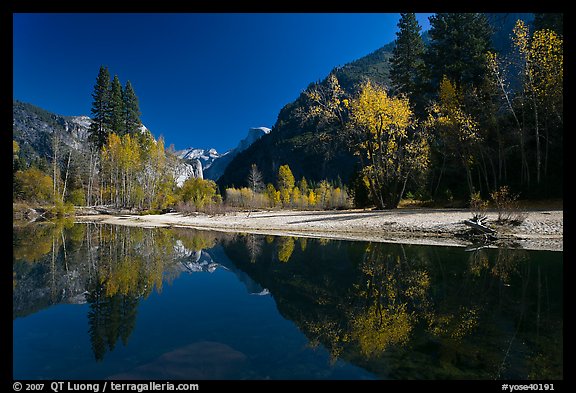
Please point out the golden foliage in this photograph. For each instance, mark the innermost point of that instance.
(384, 118)
(546, 52)
(379, 327)
(542, 61)
(286, 184)
(285, 248)
(33, 184)
(455, 125)
(327, 102)
(387, 138)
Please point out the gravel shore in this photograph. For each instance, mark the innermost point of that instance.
(541, 230)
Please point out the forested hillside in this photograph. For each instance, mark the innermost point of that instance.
(484, 93)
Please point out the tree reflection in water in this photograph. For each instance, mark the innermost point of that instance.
(399, 311)
(405, 311)
(110, 267)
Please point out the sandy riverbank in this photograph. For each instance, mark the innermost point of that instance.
(542, 229)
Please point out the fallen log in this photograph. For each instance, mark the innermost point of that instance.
(479, 227)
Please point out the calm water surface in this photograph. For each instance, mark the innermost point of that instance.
(96, 301)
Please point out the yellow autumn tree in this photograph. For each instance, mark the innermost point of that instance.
(130, 167)
(199, 192)
(110, 163)
(390, 147)
(541, 61)
(33, 184)
(546, 82)
(457, 130)
(296, 197)
(272, 195)
(286, 184)
(312, 200)
(548, 60)
(134, 172)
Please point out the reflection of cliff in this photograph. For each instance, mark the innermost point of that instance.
(199, 261)
(45, 272)
(109, 267)
(199, 251)
(409, 312)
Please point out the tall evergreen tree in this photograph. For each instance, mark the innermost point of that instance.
(117, 122)
(407, 58)
(132, 121)
(459, 42)
(100, 126)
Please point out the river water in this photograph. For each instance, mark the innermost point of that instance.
(94, 301)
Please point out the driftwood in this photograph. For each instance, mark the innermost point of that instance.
(478, 226)
(479, 229)
(114, 211)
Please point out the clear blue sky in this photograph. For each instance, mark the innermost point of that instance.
(202, 79)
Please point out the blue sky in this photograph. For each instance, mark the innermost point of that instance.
(202, 79)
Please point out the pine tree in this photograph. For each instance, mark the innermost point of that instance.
(100, 127)
(132, 121)
(459, 43)
(117, 107)
(407, 57)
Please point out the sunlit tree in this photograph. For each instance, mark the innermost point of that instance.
(455, 128)
(286, 184)
(199, 192)
(33, 184)
(390, 147)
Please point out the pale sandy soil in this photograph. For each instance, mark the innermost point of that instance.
(542, 229)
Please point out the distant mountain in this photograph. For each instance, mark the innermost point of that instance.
(218, 167)
(205, 156)
(254, 134)
(213, 163)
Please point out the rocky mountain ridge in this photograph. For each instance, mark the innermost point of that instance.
(34, 128)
